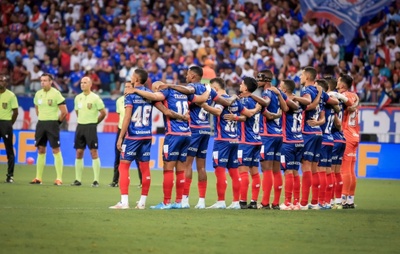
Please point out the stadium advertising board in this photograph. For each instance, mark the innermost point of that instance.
(375, 160)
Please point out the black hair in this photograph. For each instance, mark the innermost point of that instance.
(323, 83)
(47, 75)
(346, 79)
(265, 76)
(250, 83)
(332, 83)
(219, 81)
(312, 72)
(142, 75)
(290, 85)
(197, 69)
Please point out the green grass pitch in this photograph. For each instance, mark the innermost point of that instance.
(64, 219)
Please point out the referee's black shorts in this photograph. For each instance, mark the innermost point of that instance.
(86, 135)
(47, 131)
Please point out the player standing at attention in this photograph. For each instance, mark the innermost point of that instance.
(271, 137)
(8, 116)
(325, 160)
(120, 109)
(351, 133)
(89, 108)
(177, 139)
(249, 144)
(292, 148)
(48, 101)
(312, 136)
(134, 141)
(226, 144)
(201, 131)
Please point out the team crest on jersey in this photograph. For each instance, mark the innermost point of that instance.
(50, 102)
(4, 105)
(89, 105)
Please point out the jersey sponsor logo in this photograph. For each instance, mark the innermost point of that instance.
(4, 105)
(49, 102)
(89, 105)
(193, 149)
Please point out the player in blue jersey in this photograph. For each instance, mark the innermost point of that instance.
(134, 140)
(312, 135)
(271, 136)
(249, 144)
(226, 144)
(292, 148)
(200, 127)
(176, 141)
(325, 160)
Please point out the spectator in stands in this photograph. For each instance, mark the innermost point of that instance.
(34, 79)
(331, 53)
(19, 75)
(103, 69)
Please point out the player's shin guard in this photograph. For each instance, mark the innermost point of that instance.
(322, 187)
(168, 184)
(255, 186)
(296, 189)
(244, 185)
(289, 183)
(329, 188)
(202, 186)
(305, 187)
(146, 179)
(124, 180)
(338, 185)
(315, 189)
(267, 183)
(221, 182)
(186, 189)
(277, 187)
(234, 174)
(180, 185)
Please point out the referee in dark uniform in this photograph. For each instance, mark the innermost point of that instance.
(8, 115)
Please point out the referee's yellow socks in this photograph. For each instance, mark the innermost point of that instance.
(96, 169)
(40, 161)
(78, 169)
(58, 163)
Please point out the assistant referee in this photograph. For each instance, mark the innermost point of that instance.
(8, 115)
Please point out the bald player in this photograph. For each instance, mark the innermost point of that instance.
(89, 108)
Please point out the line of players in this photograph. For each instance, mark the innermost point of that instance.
(279, 129)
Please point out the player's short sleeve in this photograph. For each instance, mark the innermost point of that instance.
(213, 95)
(99, 103)
(304, 92)
(165, 92)
(14, 102)
(128, 101)
(219, 106)
(284, 96)
(240, 106)
(325, 97)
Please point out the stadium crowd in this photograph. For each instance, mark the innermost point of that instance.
(232, 39)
